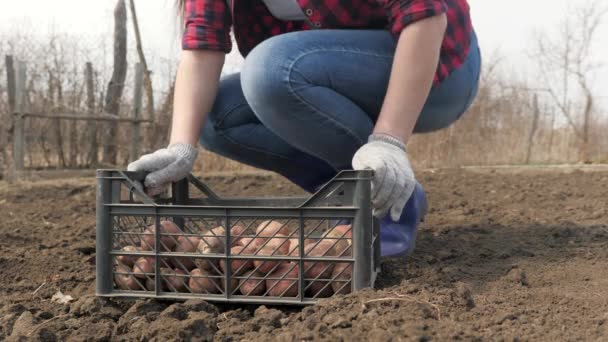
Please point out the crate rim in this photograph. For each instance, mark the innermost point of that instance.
(366, 174)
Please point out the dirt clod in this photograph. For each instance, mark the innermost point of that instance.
(268, 317)
(519, 276)
(23, 325)
(87, 305)
(464, 296)
(200, 326)
(200, 305)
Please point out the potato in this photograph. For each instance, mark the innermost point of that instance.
(211, 244)
(128, 260)
(211, 265)
(237, 266)
(144, 245)
(150, 283)
(171, 280)
(167, 242)
(236, 233)
(151, 280)
(252, 287)
(125, 281)
(166, 272)
(342, 237)
(269, 229)
(205, 284)
(277, 246)
(319, 289)
(143, 265)
(207, 264)
(286, 287)
(314, 269)
(186, 245)
(234, 284)
(294, 247)
(280, 241)
(342, 273)
(250, 244)
(213, 241)
(174, 280)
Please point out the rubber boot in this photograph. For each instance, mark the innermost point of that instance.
(399, 238)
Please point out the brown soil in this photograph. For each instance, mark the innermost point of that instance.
(502, 256)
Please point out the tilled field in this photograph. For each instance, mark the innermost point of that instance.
(502, 256)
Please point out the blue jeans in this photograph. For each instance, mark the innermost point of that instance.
(306, 101)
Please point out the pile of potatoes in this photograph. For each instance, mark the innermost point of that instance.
(249, 277)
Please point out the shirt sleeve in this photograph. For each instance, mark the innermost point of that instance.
(401, 13)
(207, 25)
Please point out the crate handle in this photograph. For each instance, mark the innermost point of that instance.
(202, 187)
(336, 184)
(137, 176)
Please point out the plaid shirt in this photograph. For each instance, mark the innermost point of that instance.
(208, 23)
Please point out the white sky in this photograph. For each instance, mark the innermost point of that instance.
(504, 26)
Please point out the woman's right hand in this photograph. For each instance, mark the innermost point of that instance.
(166, 165)
(196, 85)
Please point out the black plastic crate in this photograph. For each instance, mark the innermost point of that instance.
(245, 250)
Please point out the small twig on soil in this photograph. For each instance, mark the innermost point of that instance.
(406, 298)
(38, 289)
(36, 328)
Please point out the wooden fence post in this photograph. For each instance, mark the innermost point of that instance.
(8, 168)
(137, 101)
(19, 136)
(92, 159)
(117, 82)
(10, 81)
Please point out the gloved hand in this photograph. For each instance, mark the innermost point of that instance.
(165, 165)
(394, 180)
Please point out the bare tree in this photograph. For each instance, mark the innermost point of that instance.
(117, 82)
(566, 65)
(534, 128)
(55, 89)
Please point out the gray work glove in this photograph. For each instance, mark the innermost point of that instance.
(165, 166)
(394, 180)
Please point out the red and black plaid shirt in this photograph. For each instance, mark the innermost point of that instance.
(208, 22)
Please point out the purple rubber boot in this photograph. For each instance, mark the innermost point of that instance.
(398, 239)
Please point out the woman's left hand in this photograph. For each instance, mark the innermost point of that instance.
(394, 179)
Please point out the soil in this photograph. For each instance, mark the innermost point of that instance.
(502, 256)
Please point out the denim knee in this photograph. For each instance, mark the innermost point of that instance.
(228, 100)
(209, 136)
(265, 78)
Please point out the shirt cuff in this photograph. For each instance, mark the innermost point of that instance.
(203, 38)
(405, 12)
